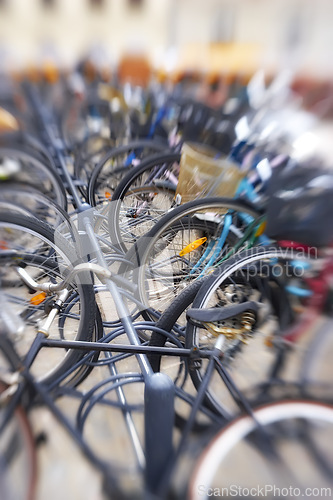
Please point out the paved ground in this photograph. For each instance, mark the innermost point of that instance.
(65, 474)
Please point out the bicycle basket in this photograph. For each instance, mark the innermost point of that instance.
(300, 206)
(202, 174)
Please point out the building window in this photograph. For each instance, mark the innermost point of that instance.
(48, 4)
(96, 4)
(223, 23)
(135, 3)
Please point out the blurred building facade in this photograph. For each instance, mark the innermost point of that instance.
(271, 33)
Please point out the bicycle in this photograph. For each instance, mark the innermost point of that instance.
(300, 272)
(156, 417)
(160, 473)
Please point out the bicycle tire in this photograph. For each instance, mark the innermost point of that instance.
(33, 203)
(117, 171)
(47, 239)
(87, 328)
(32, 172)
(277, 300)
(156, 193)
(284, 422)
(28, 144)
(85, 160)
(169, 318)
(179, 219)
(78, 311)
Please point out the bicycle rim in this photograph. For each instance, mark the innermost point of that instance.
(291, 455)
(249, 354)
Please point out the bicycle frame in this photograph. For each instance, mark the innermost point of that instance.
(160, 458)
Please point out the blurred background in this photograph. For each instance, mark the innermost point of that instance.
(224, 37)
(217, 45)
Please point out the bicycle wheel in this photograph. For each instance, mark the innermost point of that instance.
(18, 460)
(31, 202)
(28, 234)
(251, 306)
(184, 245)
(28, 144)
(75, 320)
(87, 155)
(142, 197)
(282, 451)
(50, 257)
(18, 166)
(114, 165)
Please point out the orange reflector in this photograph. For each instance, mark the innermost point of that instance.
(269, 341)
(261, 229)
(3, 245)
(192, 246)
(107, 195)
(38, 299)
